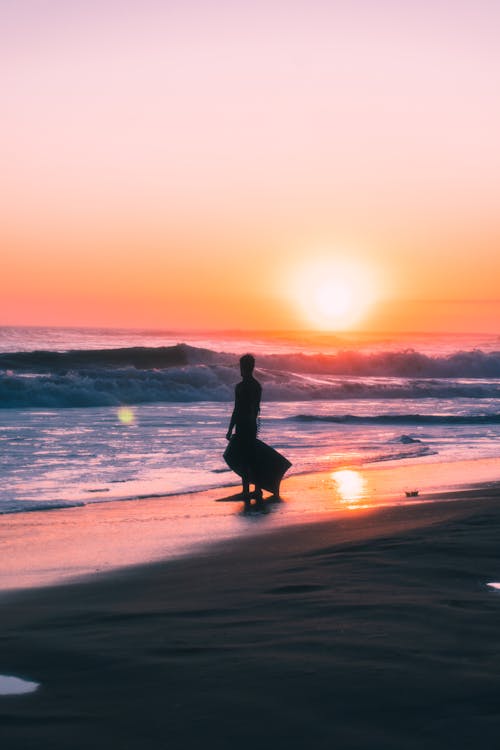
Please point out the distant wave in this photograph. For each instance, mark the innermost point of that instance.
(407, 363)
(139, 357)
(182, 373)
(421, 419)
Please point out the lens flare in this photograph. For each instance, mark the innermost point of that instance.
(126, 415)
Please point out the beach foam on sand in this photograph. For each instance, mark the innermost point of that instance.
(373, 629)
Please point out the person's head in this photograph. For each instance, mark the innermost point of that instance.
(247, 363)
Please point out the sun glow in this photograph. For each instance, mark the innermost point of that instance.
(334, 294)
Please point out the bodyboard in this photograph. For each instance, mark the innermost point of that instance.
(266, 470)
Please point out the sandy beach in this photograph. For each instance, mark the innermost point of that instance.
(366, 629)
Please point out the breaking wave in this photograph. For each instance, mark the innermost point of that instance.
(406, 363)
(139, 357)
(182, 373)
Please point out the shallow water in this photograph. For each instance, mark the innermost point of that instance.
(60, 457)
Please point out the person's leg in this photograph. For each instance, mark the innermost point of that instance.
(246, 486)
(245, 476)
(246, 436)
(252, 462)
(247, 498)
(258, 495)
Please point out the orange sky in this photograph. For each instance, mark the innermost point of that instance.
(170, 165)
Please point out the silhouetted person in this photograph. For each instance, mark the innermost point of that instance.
(247, 396)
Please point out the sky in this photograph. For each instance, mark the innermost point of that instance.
(182, 164)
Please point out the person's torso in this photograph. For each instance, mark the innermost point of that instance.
(247, 400)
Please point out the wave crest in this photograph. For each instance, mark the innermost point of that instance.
(183, 373)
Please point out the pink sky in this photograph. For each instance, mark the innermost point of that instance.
(160, 157)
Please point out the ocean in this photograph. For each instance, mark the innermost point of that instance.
(92, 415)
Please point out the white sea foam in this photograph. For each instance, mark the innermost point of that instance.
(192, 383)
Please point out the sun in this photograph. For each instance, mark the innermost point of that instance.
(334, 294)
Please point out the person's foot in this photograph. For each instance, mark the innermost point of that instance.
(258, 496)
(247, 508)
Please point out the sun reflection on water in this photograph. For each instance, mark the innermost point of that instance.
(350, 485)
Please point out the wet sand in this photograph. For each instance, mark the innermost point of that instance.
(47, 547)
(370, 629)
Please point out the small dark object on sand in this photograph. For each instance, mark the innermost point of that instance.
(411, 493)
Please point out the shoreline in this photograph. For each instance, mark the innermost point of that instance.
(372, 630)
(44, 549)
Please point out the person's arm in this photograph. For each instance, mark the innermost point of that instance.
(259, 398)
(232, 423)
(229, 433)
